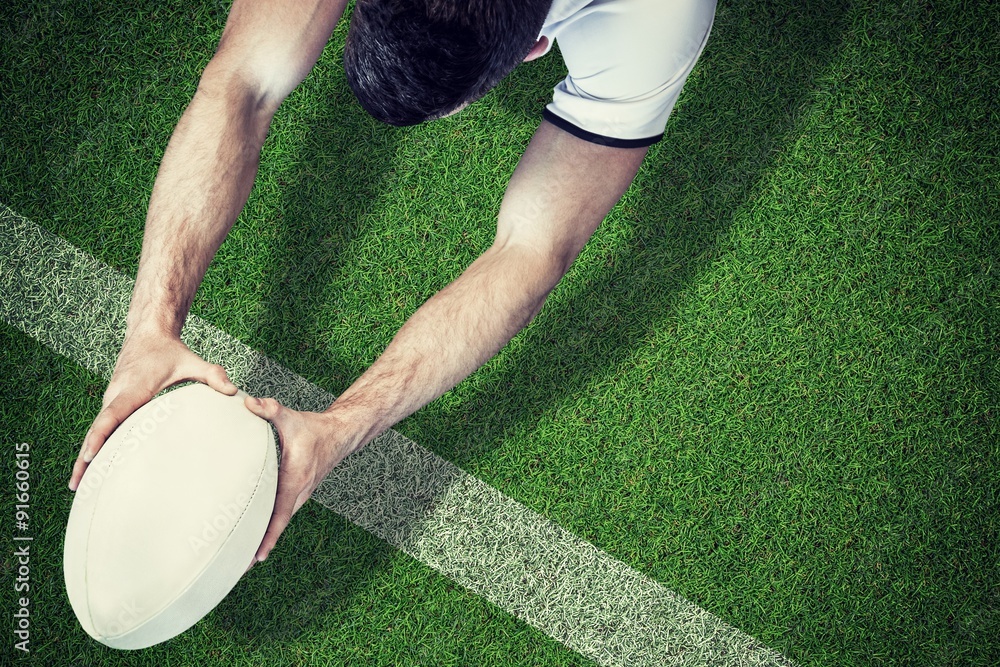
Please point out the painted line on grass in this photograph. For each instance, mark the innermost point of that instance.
(394, 488)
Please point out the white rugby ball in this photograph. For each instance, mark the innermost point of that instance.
(168, 516)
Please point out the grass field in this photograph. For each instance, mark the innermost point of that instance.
(770, 382)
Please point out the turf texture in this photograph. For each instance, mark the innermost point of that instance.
(769, 382)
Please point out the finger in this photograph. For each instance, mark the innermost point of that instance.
(215, 377)
(104, 425)
(266, 408)
(279, 521)
(284, 502)
(291, 484)
(79, 467)
(285, 505)
(291, 497)
(92, 443)
(274, 530)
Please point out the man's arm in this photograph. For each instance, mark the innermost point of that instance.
(211, 161)
(562, 189)
(267, 48)
(560, 192)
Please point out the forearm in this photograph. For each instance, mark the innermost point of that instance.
(446, 339)
(558, 195)
(267, 48)
(203, 182)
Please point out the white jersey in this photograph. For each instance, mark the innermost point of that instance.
(627, 62)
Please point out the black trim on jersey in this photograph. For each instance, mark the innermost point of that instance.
(581, 133)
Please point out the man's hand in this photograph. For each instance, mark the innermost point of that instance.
(311, 445)
(146, 365)
(562, 189)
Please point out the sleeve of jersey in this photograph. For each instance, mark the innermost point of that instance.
(627, 62)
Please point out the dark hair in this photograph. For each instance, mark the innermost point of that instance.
(413, 60)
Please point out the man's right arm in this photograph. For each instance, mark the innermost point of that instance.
(210, 164)
(208, 169)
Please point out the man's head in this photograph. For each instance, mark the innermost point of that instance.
(413, 60)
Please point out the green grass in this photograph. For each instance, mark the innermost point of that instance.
(770, 382)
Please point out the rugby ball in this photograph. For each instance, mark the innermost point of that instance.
(168, 516)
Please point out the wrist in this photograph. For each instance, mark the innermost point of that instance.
(143, 323)
(355, 425)
(148, 330)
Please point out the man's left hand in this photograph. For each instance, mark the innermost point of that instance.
(312, 443)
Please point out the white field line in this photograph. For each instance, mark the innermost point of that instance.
(394, 488)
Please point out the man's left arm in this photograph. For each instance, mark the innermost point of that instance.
(561, 190)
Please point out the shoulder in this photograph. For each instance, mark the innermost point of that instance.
(627, 60)
(640, 39)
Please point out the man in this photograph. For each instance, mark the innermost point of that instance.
(408, 61)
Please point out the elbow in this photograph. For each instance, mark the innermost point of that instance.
(242, 86)
(554, 262)
(540, 270)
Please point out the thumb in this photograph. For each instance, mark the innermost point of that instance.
(266, 408)
(217, 379)
(213, 375)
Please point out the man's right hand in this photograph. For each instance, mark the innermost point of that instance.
(146, 365)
